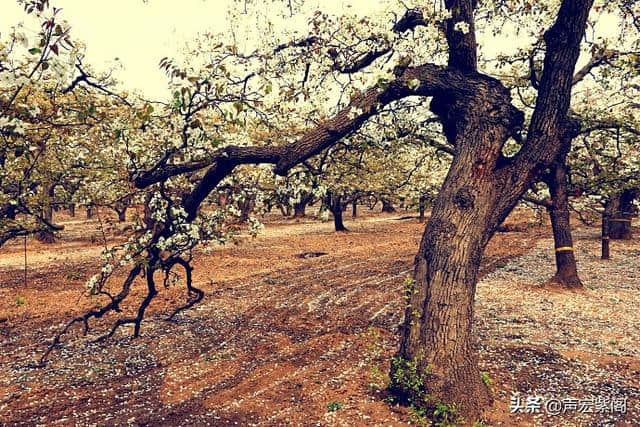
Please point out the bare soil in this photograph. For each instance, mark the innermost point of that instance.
(287, 339)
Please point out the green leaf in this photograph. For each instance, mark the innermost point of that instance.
(34, 51)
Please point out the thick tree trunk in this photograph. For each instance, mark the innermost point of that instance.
(89, 212)
(337, 220)
(354, 208)
(387, 206)
(46, 235)
(437, 345)
(299, 210)
(72, 210)
(620, 227)
(566, 267)
(438, 338)
(480, 190)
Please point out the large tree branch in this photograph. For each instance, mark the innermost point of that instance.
(599, 58)
(546, 203)
(550, 115)
(412, 19)
(431, 80)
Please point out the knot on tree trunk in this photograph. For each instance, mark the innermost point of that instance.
(464, 198)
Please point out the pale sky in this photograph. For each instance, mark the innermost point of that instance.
(140, 34)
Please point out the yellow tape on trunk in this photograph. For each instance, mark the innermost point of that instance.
(619, 220)
(564, 249)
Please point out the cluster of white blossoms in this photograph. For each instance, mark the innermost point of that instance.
(462, 27)
(246, 88)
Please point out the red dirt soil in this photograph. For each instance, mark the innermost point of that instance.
(275, 341)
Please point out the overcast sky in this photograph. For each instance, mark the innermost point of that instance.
(140, 34)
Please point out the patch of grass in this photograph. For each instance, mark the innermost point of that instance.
(407, 375)
(486, 379)
(20, 301)
(418, 416)
(378, 380)
(334, 406)
(409, 383)
(446, 415)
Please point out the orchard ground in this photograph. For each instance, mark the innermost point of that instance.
(287, 340)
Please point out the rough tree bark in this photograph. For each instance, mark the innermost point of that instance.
(480, 190)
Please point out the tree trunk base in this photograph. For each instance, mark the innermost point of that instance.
(449, 393)
(562, 282)
(45, 237)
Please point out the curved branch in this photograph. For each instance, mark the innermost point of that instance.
(195, 294)
(432, 79)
